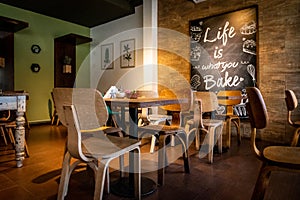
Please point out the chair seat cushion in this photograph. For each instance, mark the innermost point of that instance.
(100, 146)
(283, 154)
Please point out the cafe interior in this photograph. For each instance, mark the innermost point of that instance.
(149, 99)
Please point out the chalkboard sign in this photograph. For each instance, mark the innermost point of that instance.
(223, 51)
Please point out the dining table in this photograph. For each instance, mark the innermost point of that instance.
(16, 101)
(124, 186)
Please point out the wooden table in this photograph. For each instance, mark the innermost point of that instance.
(134, 104)
(148, 185)
(16, 101)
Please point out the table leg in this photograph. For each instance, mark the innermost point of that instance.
(125, 186)
(123, 124)
(20, 139)
(148, 185)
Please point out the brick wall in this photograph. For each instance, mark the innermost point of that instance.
(278, 51)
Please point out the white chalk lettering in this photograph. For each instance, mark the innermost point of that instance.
(227, 81)
(222, 65)
(222, 34)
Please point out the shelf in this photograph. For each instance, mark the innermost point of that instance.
(11, 25)
(73, 39)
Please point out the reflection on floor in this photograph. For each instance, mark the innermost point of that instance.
(231, 176)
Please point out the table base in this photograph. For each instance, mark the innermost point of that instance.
(121, 187)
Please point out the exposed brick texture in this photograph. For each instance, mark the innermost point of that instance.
(278, 50)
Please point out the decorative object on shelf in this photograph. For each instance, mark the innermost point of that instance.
(107, 56)
(131, 94)
(36, 49)
(2, 62)
(67, 67)
(35, 67)
(127, 53)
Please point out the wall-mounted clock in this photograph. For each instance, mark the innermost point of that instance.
(36, 48)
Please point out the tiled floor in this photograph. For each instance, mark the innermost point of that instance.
(231, 176)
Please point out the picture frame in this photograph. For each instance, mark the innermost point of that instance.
(217, 41)
(107, 56)
(127, 53)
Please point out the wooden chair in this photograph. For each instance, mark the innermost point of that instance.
(210, 129)
(274, 158)
(162, 132)
(292, 104)
(228, 99)
(87, 143)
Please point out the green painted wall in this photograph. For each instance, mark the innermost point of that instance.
(42, 30)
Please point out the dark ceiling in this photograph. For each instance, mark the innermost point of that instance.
(87, 13)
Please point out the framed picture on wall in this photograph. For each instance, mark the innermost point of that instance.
(127, 53)
(107, 56)
(223, 51)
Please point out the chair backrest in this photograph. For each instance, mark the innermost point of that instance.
(185, 93)
(291, 100)
(74, 135)
(89, 103)
(229, 97)
(256, 108)
(209, 100)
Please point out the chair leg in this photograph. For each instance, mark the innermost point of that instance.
(64, 178)
(3, 134)
(53, 117)
(26, 150)
(261, 183)
(185, 152)
(11, 136)
(211, 139)
(228, 132)
(219, 138)
(296, 137)
(100, 179)
(152, 146)
(57, 121)
(237, 124)
(197, 139)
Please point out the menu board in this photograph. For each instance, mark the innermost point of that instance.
(223, 51)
